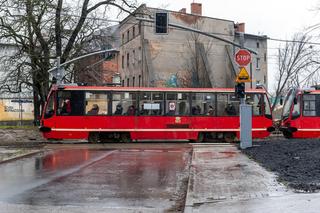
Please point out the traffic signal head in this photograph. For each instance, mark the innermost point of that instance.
(161, 23)
(240, 90)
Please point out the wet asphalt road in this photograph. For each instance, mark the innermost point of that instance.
(139, 178)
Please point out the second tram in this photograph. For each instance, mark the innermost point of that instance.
(301, 114)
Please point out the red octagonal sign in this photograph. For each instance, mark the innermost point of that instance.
(243, 57)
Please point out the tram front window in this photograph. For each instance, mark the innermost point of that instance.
(288, 104)
(50, 107)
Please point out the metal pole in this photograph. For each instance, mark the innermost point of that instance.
(58, 72)
(202, 33)
(245, 117)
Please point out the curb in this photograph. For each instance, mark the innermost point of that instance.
(20, 156)
(188, 205)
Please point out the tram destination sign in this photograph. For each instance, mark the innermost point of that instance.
(243, 57)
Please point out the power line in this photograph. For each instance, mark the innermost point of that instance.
(151, 25)
(293, 41)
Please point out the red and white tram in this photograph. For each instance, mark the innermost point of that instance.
(126, 114)
(301, 114)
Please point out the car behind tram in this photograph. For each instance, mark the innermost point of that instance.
(104, 114)
(301, 114)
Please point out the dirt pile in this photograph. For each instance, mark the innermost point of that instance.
(296, 162)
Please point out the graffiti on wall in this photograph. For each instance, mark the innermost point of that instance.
(172, 81)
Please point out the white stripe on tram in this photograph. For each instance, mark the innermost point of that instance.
(152, 130)
(309, 130)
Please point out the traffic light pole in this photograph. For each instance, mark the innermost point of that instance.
(245, 115)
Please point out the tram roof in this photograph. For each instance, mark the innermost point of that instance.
(150, 89)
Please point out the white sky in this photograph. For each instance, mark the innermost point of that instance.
(274, 18)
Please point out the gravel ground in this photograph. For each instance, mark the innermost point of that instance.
(296, 161)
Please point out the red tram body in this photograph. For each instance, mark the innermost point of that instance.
(301, 114)
(119, 113)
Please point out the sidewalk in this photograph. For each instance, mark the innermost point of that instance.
(8, 154)
(17, 143)
(222, 179)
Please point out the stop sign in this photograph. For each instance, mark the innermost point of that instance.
(243, 57)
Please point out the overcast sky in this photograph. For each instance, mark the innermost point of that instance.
(274, 18)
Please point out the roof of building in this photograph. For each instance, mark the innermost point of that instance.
(246, 35)
(169, 11)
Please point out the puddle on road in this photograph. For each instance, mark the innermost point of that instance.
(81, 177)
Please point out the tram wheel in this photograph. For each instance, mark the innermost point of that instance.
(229, 137)
(93, 137)
(287, 135)
(199, 139)
(125, 137)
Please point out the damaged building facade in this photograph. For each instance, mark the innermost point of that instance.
(182, 58)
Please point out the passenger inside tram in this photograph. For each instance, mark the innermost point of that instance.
(94, 110)
(119, 110)
(131, 110)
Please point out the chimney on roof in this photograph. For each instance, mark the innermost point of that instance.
(196, 9)
(239, 27)
(183, 10)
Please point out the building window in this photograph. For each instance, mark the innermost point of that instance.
(134, 31)
(128, 35)
(122, 62)
(128, 82)
(133, 80)
(123, 83)
(139, 80)
(139, 55)
(265, 57)
(257, 63)
(264, 79)
(133, 57)
(122, 38)
(139, 28)
(128, 58)
(258, 45)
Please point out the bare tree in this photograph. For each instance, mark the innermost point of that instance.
(45, 30)
(297, 65)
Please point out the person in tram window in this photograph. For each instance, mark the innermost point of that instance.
(94, 110)
(210, 111)
(196, 110)
(131, 110)
(66, 107)
(119, 110)
(230, 109)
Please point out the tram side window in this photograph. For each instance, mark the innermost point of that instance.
(50, 107)
(124, 103)
(257, 103)
(177, 104)
(227, 105)
(203, 104)
(96, 103)
(151, 103)
(309, 105)
(70, 103)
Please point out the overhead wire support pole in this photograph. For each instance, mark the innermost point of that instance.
(200, 32)
(59, 67)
